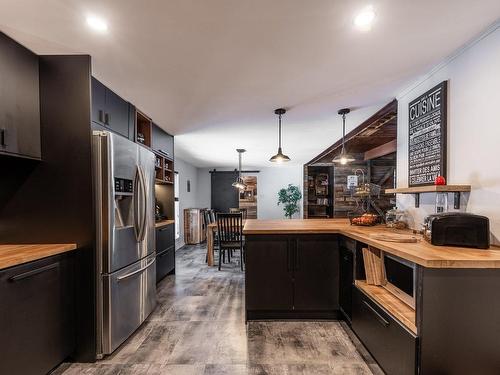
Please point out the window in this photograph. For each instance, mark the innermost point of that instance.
(176, 204)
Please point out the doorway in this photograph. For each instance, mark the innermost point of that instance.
(248, 196)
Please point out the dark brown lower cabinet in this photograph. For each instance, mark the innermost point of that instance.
(392, 345)
(268, 276)
(37, 315)
(346, 282)
(165, 263)
(316, 273)
(165, 251)
(291, 276)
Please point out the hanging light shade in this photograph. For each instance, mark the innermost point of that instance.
(279, 157)
(239, 184)
(343, 158)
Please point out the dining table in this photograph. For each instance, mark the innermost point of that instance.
(211, 230)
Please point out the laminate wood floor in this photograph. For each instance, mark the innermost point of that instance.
(199, 328)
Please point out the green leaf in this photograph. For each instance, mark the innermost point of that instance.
(289, 197)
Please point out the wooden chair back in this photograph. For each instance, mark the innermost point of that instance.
(212, 216)
(206, 217)
(230, 228)
(244, 211)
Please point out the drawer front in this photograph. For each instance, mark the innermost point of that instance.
(36, 315)
(164, 238)
(130, 296)
(165, 263)
(392, 346)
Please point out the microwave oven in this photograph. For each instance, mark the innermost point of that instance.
(400, 278)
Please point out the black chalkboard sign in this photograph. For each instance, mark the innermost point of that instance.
(427, 136)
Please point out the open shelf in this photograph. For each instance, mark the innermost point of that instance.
(143, 129)
(430, 189)
(417, 190)
(397, 308)
(163, 182)
(164, 169)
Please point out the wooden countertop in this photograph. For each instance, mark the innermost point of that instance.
(422, 252)
(163, 223)
(13, 255)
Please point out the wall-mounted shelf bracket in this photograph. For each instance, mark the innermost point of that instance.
(456, 200)
(416, 191)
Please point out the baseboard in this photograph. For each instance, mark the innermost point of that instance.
(293, 315)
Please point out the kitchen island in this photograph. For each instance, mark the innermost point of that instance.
(314, 269)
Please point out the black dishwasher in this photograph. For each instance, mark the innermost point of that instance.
(346, 276)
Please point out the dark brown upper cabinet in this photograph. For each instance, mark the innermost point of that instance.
(19, 100)
(162, 142)
(110, 110)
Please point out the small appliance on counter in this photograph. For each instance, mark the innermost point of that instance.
(457, 229)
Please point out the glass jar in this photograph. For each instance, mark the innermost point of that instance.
(441, 202)
(395, 218)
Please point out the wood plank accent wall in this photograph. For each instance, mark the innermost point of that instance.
(385, 149)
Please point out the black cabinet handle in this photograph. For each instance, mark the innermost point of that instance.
(163, 229)
(34, 272)
(107, 118)
(2, 138)
(379, 317)
(101, 115)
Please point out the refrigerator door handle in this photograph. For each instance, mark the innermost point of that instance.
(137, 229)
(120, 278)
(144, 205)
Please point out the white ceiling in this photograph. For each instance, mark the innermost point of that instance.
(212, 72)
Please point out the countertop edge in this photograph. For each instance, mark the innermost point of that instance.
(389, 247)
(16, 254)
(164, 223)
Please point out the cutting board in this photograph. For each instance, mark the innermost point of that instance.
(394, 237)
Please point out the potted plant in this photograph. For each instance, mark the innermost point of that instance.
(289, 197)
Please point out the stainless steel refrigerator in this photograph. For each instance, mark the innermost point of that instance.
(126, 273)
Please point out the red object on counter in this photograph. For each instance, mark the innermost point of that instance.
(440, 180)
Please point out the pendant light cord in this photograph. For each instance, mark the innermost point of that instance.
(239, 164)
(343, 132)
(279, 130)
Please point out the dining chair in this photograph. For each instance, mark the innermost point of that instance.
(244, 211)
(230, 232)
(207, 219)
(212, 216)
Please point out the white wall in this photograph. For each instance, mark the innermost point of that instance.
(269, 181)
(473, 76)
(204, 187)
(186, 199)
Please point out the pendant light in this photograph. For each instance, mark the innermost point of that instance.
(343, 158)
(239, 184)
(279, 157)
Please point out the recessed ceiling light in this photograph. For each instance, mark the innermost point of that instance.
(97, 24)
(364, 20)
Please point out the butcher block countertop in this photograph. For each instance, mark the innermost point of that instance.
(13, 255)
(422, 252)
(163, 223)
